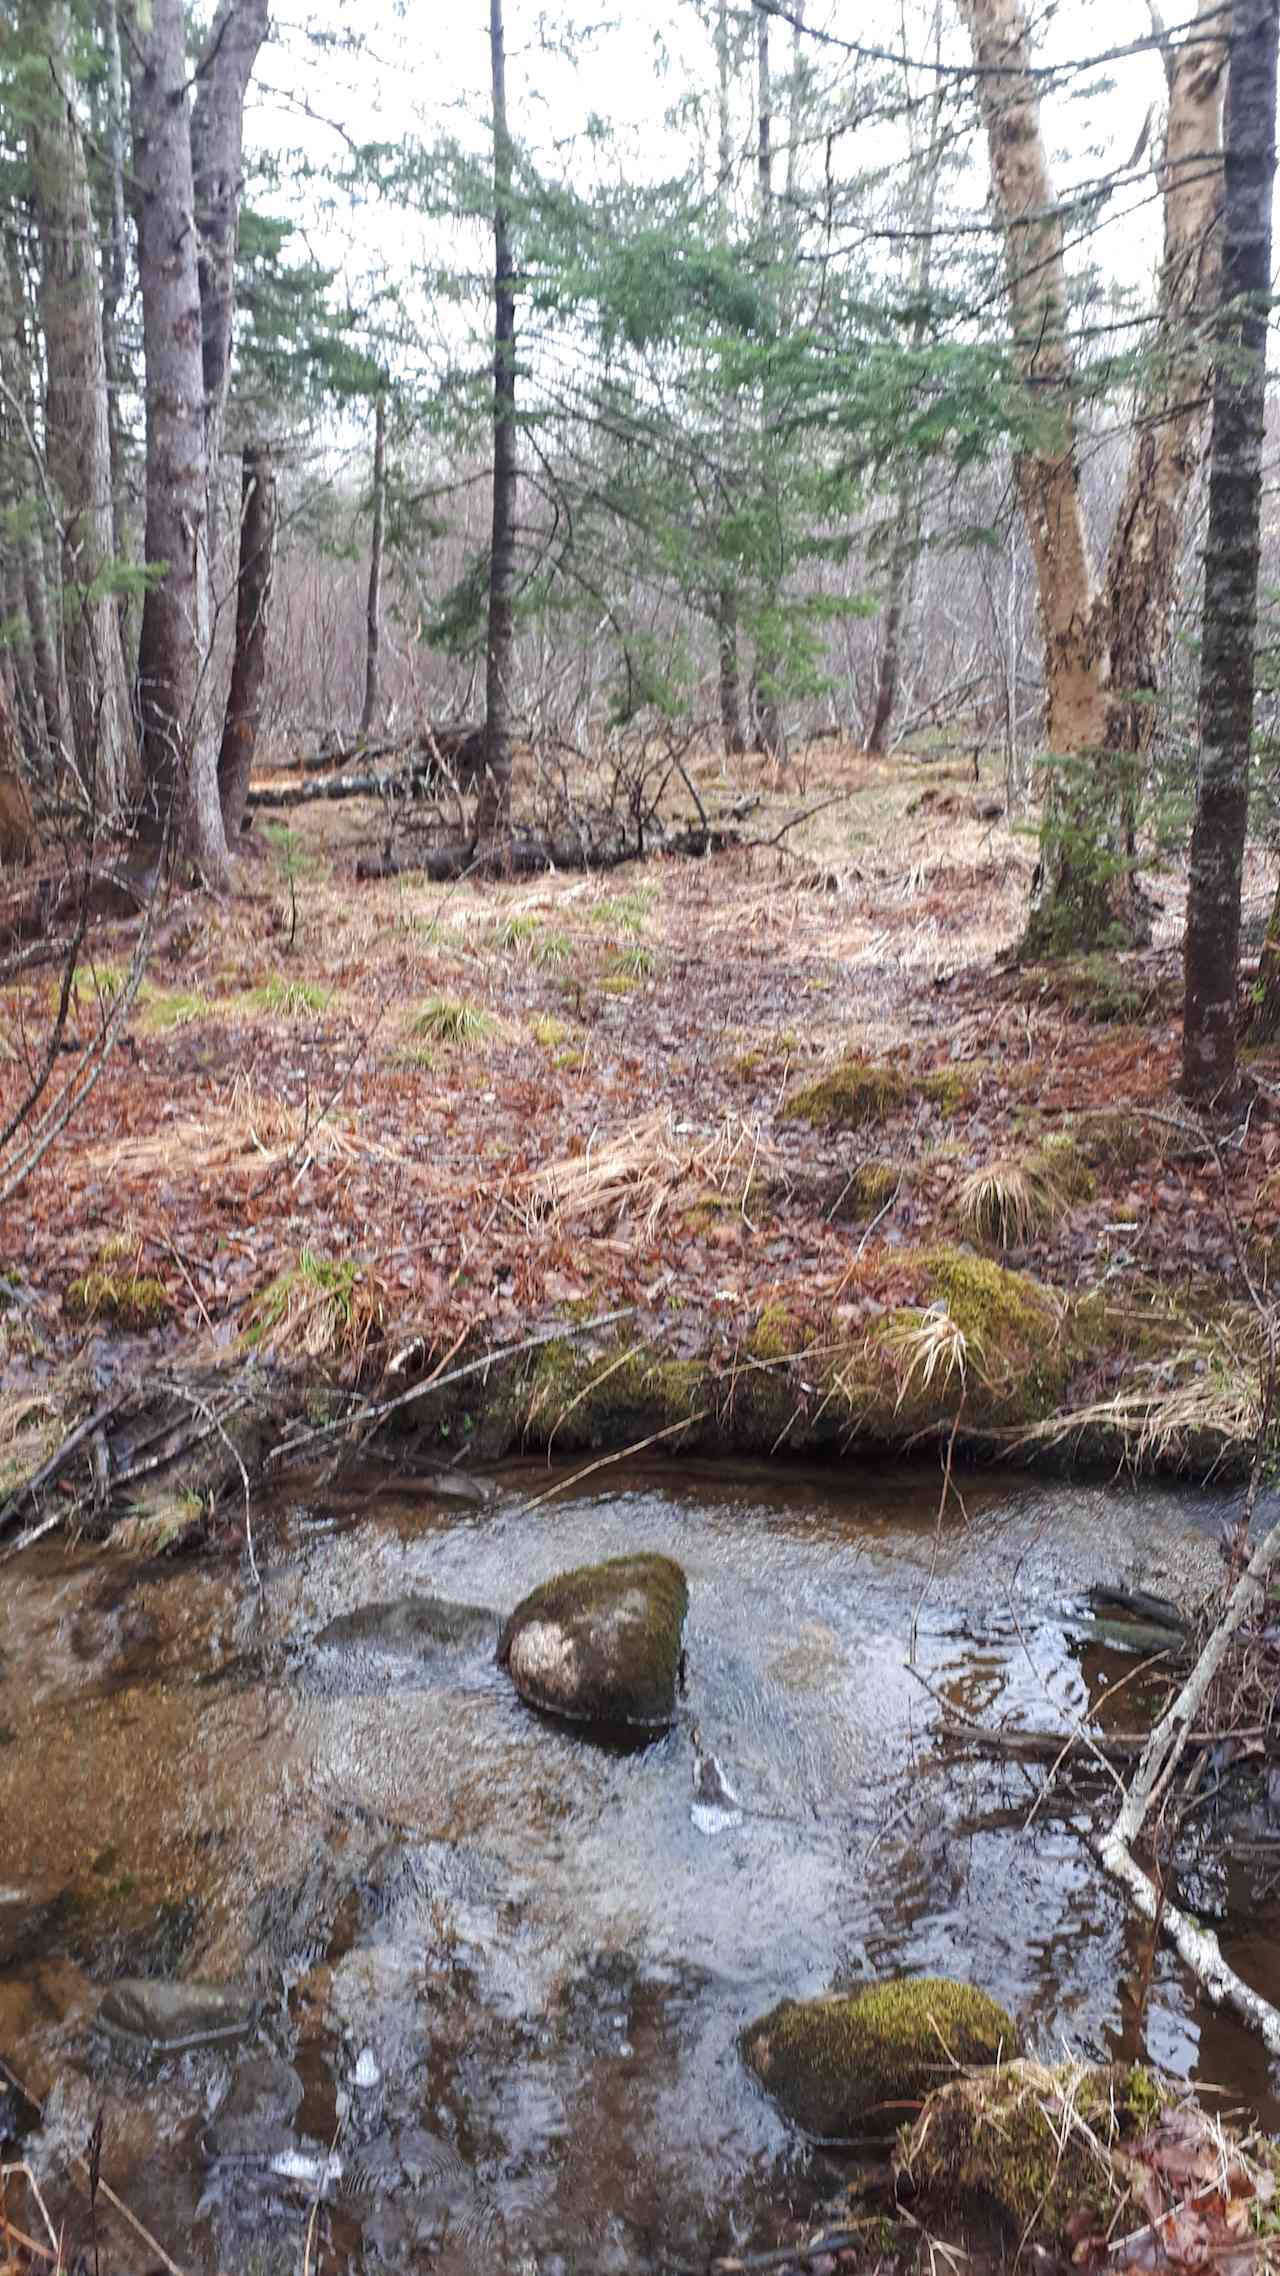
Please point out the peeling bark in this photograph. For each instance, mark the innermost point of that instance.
(1103, 638)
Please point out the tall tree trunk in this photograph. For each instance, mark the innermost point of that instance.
(494, 817)
(114, 263)
(1231, 560)
(180, 756)
(904, 542)
(217, 153)
(1103, 641)
(77, 438)
(249, 663)
(767, 677)
(373, 602)
(725, 605)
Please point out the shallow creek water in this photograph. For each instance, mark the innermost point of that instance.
(498, 1968)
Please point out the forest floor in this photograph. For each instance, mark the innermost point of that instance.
(789, 1109)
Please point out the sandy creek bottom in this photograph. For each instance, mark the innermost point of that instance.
(498, 1968)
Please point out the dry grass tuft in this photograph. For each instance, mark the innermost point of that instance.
(639, 1173)
(319, 1309)
(930, 1345)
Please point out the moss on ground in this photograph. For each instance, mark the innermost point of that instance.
(577, 1397)
(848, 1096)
(841, 2065)
(130, 1301)
(1032, 2140)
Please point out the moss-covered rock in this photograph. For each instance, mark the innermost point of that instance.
(845, 2064)
(1034, 2141)
(601, 1643)
(848, 1096)
(577, 1396)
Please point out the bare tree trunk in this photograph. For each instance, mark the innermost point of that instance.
(373, 603)
(1231, 559)
(217, 154)
(77, 438)
(114, 265)
(1103, 643)
(494, 817)
(249, 663)
(179, 751)
(726, 598)
(905, 540)
(766, 679)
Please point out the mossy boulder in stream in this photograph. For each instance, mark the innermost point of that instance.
(845, 2064)
(601, 1643)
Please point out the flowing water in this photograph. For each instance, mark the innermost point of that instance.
(499, 1969)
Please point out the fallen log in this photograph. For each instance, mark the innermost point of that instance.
(525, 856)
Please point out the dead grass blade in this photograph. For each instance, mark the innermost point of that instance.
(641, 1171)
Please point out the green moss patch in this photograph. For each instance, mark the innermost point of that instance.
(848, 1096)
(1038, 2143)
(841, 2065)
(127, 1300)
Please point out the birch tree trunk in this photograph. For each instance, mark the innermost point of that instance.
(373, 602)
(493, 820)
(249, 663)
(77, 437)
(1103, 638)
(217, 154)
(179, 748)
(1232, 554)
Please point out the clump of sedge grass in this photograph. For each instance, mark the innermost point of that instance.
(445, 1021)
(289, 999)
(515, 931)
(552, 948)
(1010, 1203)
(926, 1345)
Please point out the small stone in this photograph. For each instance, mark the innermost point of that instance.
(414, 1625)
(168, 2015)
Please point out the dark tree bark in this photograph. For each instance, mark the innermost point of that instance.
(373, 602)
(77, 439)
(19, 398)
(180, 757)
(217, 153)
(731, 732)
(1232, 553)
(249, 663)
(494, 817)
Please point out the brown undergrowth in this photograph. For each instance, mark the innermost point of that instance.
(351, 1112)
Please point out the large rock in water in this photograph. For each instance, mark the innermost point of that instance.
(838, 2065)
(601, 1644)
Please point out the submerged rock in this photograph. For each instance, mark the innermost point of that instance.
(601, 1643)
(844, 2064)
(414, 1624)
(157, 2013)
(716, 1807)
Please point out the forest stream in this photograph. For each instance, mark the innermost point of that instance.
(494, 1971)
